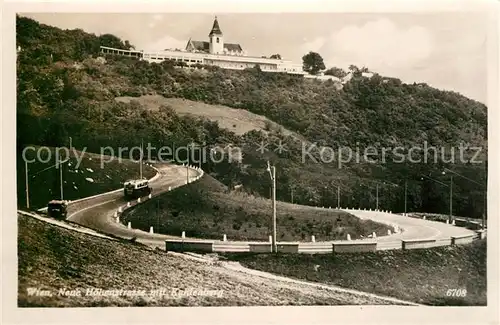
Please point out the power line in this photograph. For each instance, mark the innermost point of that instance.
(55, 165)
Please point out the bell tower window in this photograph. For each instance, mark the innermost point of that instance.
(217, 40)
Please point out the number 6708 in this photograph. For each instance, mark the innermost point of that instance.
(456, 292)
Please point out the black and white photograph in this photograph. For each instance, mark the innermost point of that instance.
(252, 159)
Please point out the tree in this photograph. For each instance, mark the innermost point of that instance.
(313, 63)
(276, 56)
(336, 72)
(356, 72)
(114, 41)
(353, 68)
(129, 46)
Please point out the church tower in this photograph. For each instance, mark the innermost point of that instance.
(216, 39)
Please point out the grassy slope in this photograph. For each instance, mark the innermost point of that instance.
(423, 276)
(51, 258)
(239, 121)
(44, 185)
(206, 209)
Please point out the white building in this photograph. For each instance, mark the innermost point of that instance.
(214, 52)
(215, 44)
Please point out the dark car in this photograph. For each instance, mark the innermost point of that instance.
(57, 209)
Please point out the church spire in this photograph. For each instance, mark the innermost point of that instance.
(215, 28)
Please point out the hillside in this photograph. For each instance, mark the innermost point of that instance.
(421, 275)
(206, 209)
(65, 89)
(53, 258)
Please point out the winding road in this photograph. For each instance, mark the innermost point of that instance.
(98, 213)
(412, 229)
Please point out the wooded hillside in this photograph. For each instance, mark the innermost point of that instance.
(64, 89)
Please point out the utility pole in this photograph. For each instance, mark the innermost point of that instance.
(158, 216)
(406, 195)
(61, 180)
(338, 196)
(272, 174)
(70, 143)
(187, 174)
(27, 186)
(485, 209)
(275, 248)
(200, 155)
(292, 194)
(446, 185)
(451, 198)
(140, 161)
(191, 153)
(377, 198)
(470, 180)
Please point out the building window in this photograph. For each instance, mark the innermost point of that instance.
(217, 40)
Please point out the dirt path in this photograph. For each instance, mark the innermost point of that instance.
(358, 296)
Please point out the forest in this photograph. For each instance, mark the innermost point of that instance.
(65, 88)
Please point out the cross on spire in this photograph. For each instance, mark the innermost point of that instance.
(215, 28)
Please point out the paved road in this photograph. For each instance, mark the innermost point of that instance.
(411, 228)
(98, 213)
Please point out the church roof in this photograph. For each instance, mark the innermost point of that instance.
(205, 46)
(215, 28)
(233, 47)
(201, 45)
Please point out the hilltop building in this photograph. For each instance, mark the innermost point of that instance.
(212, 52)
(216, 44)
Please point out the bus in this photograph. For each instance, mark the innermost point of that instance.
(136, 188)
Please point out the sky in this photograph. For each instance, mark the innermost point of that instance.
(446, 50)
